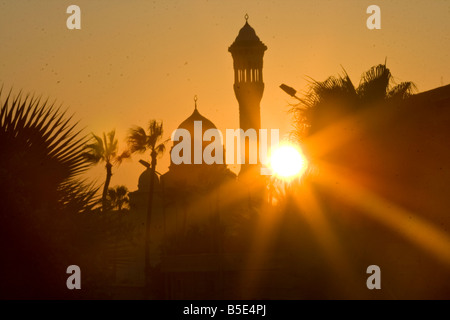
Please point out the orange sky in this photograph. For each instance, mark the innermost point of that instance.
(137, 60)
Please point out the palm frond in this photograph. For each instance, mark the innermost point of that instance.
(402, 91)
(160, 149)
(110, 146)
(79, 196)
(118, 197)
(94, 152)
(325, 101)
(374, 84)
(137, 140)
(124, 155)
(155, 132)
(44, 152)
(121, 190)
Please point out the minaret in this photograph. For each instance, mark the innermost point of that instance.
(247, 52)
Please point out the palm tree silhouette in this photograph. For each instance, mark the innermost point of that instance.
(105, 150)
(326, 101)
(118, 197)
(141, 141)
(44, 155)
(41, 193)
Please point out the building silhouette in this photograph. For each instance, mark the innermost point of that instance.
(204, 220)
(197, 206)
(247, 51)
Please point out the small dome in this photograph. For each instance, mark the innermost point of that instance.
(247, 33)
(144, 181)
(247, 37)
(188, 124)
(196, 139)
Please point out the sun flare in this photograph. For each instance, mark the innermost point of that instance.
(288, 161)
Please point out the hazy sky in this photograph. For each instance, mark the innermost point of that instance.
(137, 60)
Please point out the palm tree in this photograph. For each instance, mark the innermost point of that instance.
(328, 100)
(41, 194)
(44, 155)
(105, 150)
(141, 141)
(118, 197)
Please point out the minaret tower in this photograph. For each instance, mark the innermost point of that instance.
(247, 52)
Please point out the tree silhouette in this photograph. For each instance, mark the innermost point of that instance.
(105, 150)
(118, 197)
(44, 153)
(141, 141)
(40, 189)
(326, 101)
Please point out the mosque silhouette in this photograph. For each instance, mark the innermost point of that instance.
(205, 219)
(197, 207)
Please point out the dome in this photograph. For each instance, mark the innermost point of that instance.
(247, 37)
(188, 124)
(196, 138)
(247, 33)
(144, 181)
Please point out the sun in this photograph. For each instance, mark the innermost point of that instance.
(288, 162)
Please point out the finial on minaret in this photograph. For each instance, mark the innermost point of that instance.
(195, 101)
(246, 17)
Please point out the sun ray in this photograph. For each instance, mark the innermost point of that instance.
(313, 212)
(409, 224)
